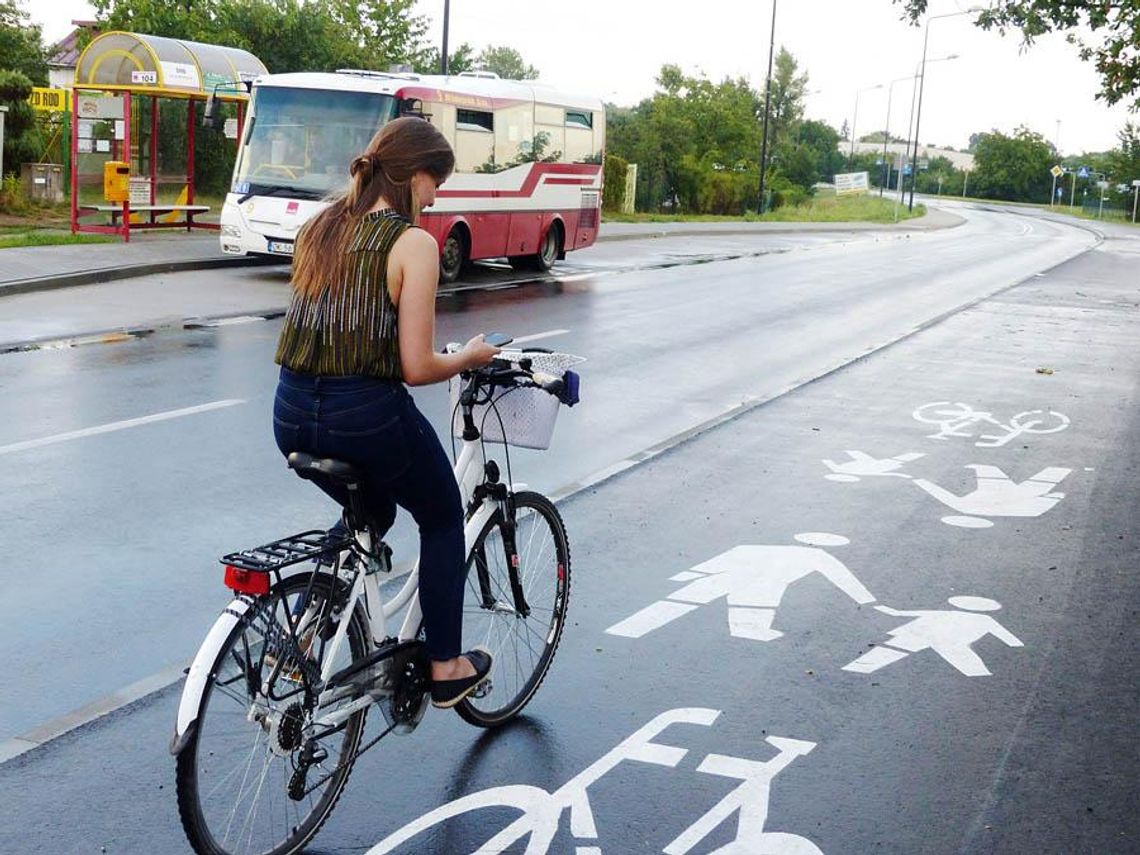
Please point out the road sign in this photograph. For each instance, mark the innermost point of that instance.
(1057, 171)
(1136, 182)
(1083, 172)
(1103, 185)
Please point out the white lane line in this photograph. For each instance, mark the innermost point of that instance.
(114, 426)
(540, 335)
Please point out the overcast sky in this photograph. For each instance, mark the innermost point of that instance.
(614, 49)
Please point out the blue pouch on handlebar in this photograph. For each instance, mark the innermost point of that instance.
(570, 383)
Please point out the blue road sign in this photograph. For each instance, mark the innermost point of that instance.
(1083, 172)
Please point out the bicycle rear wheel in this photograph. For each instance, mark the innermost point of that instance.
(522, 644)
(234, 774)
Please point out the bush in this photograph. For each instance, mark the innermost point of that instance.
(787, 194)
(613, 195)
(12, 198)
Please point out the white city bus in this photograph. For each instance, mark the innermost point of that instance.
(527, 184)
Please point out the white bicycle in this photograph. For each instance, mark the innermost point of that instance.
(272, 714)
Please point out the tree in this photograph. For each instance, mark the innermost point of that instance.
(505, 62)
(1015, 168)
(22, 141)
(786, 105)
(1115, 24)
(1124, 162)
(845, 131)
(21, 46)
(460, 60)
(822, 141)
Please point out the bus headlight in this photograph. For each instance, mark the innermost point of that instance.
(231, 231)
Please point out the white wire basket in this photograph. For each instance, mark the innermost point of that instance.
(522, 416)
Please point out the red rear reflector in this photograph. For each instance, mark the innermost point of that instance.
(246, 581)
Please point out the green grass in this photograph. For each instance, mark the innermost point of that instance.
(44, 238)
(822, 209)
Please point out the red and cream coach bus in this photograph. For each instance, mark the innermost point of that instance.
(527, 184)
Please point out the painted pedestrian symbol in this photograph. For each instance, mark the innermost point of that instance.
(542, 811)
(753, 579)
(949, 633)
(962, 420)
(998, 495)
(862, 465)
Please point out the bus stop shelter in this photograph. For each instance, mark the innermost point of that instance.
(117, 78)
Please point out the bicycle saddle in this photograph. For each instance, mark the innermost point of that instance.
(310, 467)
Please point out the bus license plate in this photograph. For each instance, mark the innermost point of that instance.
(281, 247)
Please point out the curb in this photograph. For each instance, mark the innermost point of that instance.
(114, 336)
(793, 228)
(110, 274)
(130, 271)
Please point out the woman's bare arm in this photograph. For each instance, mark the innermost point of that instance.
(413, 269)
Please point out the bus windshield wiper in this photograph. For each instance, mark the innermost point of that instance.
(261, 191)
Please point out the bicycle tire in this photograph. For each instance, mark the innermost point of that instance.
(205, 755)
(545, 579)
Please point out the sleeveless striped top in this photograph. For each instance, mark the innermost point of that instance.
(352, 330)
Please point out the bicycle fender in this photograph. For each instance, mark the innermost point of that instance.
(199, 673)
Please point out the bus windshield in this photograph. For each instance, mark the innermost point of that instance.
(301, 141)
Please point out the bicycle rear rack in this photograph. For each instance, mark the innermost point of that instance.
(294, 549)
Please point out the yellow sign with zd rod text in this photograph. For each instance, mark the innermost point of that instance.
(49, 100)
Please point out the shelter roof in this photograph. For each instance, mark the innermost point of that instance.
(155, 65)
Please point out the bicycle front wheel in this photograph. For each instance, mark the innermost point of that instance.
(516, 608)
(234, 776)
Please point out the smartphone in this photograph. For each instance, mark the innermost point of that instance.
(497, 339)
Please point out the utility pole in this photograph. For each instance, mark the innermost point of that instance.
(767, 98)
(443, 53)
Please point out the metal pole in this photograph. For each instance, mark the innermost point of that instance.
(1135, 198)
(767, 98)
(74, 160)
(909, 130)
(887, 135)
(918, 115)
(854, 119)
(1053, 192)
(965, 181)
(443, 54)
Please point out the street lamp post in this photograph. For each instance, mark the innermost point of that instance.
(887, 129)
(922, 81)
(855, 115)
(443, 54)
(911, 129)
(767, 98)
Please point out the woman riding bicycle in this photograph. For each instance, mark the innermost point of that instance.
(359, 265)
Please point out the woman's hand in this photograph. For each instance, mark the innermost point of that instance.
(477, 353)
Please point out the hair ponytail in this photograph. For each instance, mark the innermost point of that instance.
(399, 150)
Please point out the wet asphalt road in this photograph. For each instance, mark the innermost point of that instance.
(916, 756)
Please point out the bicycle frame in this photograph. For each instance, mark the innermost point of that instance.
(468, 473)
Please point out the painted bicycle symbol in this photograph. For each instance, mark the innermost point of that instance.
(542, 811)
(958, 419)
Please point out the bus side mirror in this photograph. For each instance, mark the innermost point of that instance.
(212, 115)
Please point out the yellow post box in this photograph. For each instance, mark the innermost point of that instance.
(116, 181)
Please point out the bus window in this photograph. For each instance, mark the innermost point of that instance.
(303, 139)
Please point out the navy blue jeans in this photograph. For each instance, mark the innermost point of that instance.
(375, 425)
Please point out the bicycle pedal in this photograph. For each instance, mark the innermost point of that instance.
(482, 690)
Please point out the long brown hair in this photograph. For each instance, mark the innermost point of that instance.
(399, 150)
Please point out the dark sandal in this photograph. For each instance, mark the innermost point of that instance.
(447, 693)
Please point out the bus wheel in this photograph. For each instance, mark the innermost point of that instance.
(547, 254)
(453, 257)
